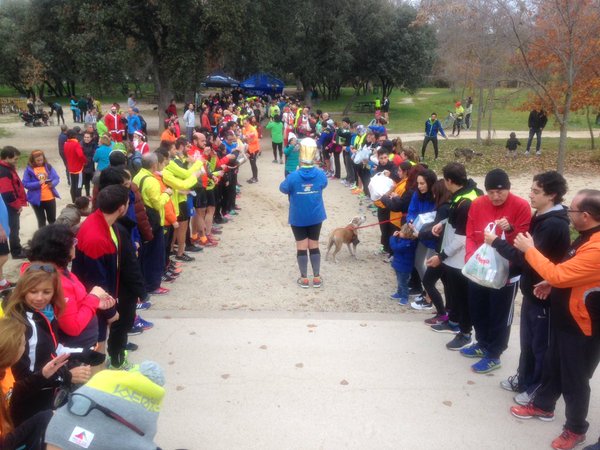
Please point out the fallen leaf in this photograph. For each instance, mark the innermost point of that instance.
(363, 324)
(447, 402)
(344, 383)
(470, 382)
(311, 325)
(299, 365)
(171, 363)
(179, 388)
(263, 347)
(225, 376)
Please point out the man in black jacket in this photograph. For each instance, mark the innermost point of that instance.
(550, 230)
(536, 123)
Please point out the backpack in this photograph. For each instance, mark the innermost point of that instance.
(144, 125)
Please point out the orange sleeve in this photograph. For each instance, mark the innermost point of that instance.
(583, 268)
(170, 216)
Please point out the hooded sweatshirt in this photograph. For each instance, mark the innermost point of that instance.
(305, 188)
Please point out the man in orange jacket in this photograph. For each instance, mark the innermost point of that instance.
(573, 352)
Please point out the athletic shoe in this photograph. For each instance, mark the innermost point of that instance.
(274, 161)
(126, 365)
(172, 274)
(486, 365)
(166, 278)
(595, 446)
(568, 440)
(251, 181)
(193, 248)
(212, 237)
(356, 191)
(233, 212)
(281, 161)
(510, 384)
(142, 323)
(388, 259)
(135, 329)
(530, 411)
(380, 251)
(395, 296)
(437, 319)
(238, 208)
(160, 291)
(540, 154)
(303, 283)
(174, 269)
(185, 258)
(142, 306)
(526, 153)
(445, 327)
(474, 351)
(460, 341)
(317, 282)
(415, 291)
(523, 398)
(216, 231)
(216, 226)
(403, 302)
(421, 305)
(131, 347)
(228, 217)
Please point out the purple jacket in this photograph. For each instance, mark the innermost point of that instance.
(32, 184)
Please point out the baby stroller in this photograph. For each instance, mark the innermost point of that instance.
(35, 119)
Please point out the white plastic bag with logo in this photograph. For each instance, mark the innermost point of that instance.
(380, 185)
(486, 267)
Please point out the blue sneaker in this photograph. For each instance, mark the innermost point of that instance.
(143, 305)
(473, 351)
(395, 296)
(142, 323)
(403, 302)
(486, 365)
(136, 329)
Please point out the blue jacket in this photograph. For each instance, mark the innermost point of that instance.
(404, 253)
(325, 138)
(133, 124)
(32, 184)
(305, 189)
(420, 204)
(432, 129)
(101, 157)
(4, 217)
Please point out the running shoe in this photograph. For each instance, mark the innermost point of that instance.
(486, 365)
(317, 282)
(216, 231)
(510, 384)
(238, 208)
(437, 319)
(166, 278)
(193, 248)
(142, 323)
(142, 306)
(303, 283)
(523, 398)
(530, 411)
(233, 212)
(160, 291)
(421, 305)
(445, 327)
(459, 342)
(568, 440)
(131, 347)
(135, 329)
(473, 351)
(185, 258)
(395, 296)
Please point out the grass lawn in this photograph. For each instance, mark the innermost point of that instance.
(580, 159)
(408, 113)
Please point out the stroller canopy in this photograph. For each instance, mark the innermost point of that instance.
(261, 84)
(220, 80)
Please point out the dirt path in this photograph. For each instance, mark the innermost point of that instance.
(254, 267)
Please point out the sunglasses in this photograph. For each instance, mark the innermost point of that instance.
(81, 405)
(48, 268)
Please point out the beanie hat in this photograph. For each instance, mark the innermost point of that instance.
(135, 395)
(496, 179)
(361, 129)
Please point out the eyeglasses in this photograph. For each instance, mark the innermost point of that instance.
(48, 268)
(81, 405)
(575, 211)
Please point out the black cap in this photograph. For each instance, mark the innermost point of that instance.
(497, 179)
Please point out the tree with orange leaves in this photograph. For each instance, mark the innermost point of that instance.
(558, 43)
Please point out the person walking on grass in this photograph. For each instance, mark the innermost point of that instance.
(536, 123)
(307, 211)
(432, 127)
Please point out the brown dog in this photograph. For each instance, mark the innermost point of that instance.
(347, 235)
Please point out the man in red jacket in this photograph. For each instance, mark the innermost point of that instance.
(76, 161)
(492, 309)
(13, 194)
(114, 123)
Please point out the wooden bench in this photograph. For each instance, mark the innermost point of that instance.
(368, 106)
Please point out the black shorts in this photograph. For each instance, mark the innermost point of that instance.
(311, 232)
(183, 212)
(204, 198)
(326, 154)
(4, 248)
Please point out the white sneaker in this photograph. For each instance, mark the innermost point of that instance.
(421, 305)
(526, 153)
(538, 153)
(510, 384)
(523, 399)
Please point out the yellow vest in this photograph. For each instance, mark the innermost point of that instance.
(396, 217)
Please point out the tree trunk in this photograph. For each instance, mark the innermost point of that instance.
(590, 126)
(479, 114)
(562, 144)
(490, 111)
(162, 83)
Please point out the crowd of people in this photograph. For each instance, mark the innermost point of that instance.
(147, 212)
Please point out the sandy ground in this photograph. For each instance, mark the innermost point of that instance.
(253, 361)
(254, 267)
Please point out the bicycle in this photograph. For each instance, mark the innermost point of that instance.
(449, 121)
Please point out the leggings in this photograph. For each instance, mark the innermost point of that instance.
(432, 274)
(365, 175)
(253, 166)
(76, 185)
(45, 211)
(277, 147)
(336, 161)
(87, 179)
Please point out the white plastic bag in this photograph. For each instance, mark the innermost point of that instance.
(380, 185)
(486, 267)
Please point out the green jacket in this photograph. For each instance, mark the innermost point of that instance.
(180, 179)
(151, 192)
(276, 129)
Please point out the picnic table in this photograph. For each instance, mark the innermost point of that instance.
(365, 106)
